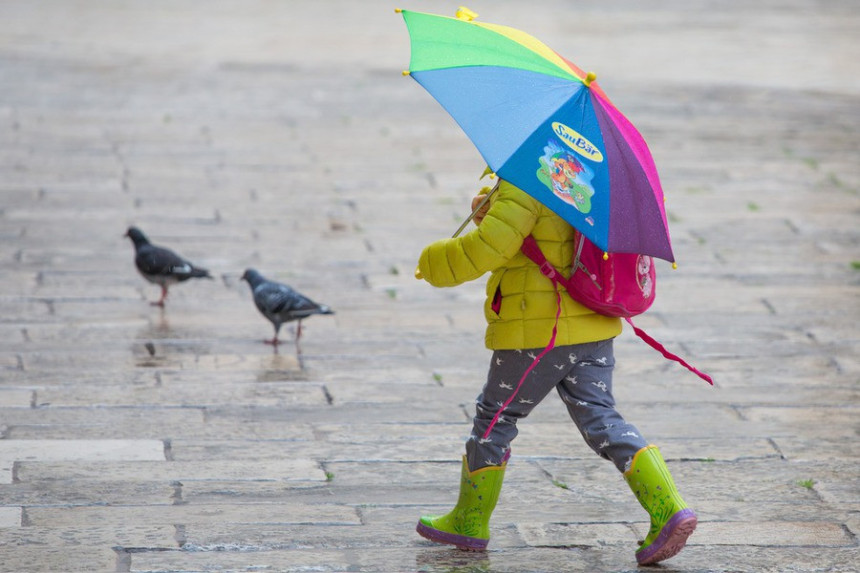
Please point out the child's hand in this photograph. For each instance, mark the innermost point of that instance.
(479, 216)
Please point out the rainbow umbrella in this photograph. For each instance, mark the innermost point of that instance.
(544, 125)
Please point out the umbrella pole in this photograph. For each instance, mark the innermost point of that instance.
(474, 212)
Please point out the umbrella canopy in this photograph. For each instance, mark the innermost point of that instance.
(543, 124)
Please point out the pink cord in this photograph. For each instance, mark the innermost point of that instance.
(662, 350)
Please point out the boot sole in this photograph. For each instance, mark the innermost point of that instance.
(461, 541)
(672, 538)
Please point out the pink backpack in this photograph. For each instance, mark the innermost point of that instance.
(621, 285)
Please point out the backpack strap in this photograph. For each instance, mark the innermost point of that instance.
(531, 249)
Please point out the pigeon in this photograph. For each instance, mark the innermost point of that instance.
(281, 303)
(161, 266)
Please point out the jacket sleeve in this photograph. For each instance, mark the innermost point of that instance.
(512, 216)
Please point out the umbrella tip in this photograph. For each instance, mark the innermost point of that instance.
(405, 72)
(398, 10)
(464, 13)
(674, 265)
(590, 78)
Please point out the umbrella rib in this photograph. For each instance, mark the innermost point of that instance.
(543, 120)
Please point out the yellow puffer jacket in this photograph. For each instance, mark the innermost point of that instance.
(526, 299)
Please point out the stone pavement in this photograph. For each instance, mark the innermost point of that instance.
(281, 136)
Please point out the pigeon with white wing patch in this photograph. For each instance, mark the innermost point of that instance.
(160, 265)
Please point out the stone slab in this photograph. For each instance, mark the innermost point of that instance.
(88, 493)
(16, 398)
(809, 449)
(821, 422)
(98, 424)
(43, 558)
(13, 450)
(10, 517)
(187, 514)
(279, 469)
(156, 537)
(773, 534)
(297, 440)
(185, 394)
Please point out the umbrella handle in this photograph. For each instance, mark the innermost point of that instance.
(477, 208)
(418, 274)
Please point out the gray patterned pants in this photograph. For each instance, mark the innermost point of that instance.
(582, 375)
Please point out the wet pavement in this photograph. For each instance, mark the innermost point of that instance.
(281, 136)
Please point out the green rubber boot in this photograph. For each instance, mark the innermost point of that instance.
(672, 522)
(467, 525)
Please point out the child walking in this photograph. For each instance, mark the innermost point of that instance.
(523, 310)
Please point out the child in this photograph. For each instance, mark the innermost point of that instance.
(522, 309)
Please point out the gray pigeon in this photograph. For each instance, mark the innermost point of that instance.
(281, 303)
(161, 266)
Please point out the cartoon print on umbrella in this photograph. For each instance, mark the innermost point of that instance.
(566, 176)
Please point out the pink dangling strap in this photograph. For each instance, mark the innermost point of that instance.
(531, 367)
(662, 350)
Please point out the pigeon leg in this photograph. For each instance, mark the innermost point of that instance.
(160, 302)
(274, 341)
(298, 336)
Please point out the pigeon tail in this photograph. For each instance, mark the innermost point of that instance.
(199, 273)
